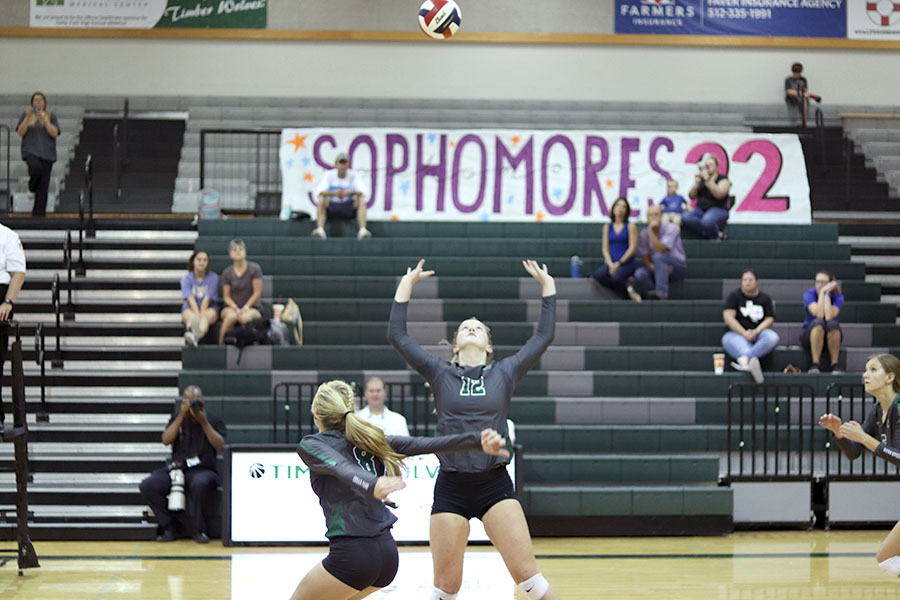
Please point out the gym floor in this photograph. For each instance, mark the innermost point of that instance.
(816, 565)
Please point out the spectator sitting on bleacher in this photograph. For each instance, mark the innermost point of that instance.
(711, 192)
(619, 246)
(38, 129)
(341, 194)
(195, 437)
(823, 304)
(673, 204)
(797, 94)
(241, 289)
(663, 256)
(199, 289)
(749, 315)
(376, 413)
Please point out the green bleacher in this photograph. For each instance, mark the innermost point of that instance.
(623, 416)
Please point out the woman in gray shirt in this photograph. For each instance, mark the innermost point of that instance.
(472, 393)
(241, 289)
(38, 129)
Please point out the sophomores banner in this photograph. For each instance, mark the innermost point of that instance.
(781, 18)
(145, 14)
(509, 175)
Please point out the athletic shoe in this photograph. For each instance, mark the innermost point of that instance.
(654, 295)
(166, 536)
(633, 293)
(836, 370)
(814, 370)
(756, 370)
(318, 232)
(363, 233)
(739, 367)
(189, 338)
(201, 538)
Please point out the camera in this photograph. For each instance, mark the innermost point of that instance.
(176, 494)
(37, 109)
(196, 404)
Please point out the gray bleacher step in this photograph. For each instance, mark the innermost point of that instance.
(117, 343)
(113, 235)
(55, 511)
(124, 275)
(123, 255)
(89, 393)
(124, 318)
(866, 241)
(876, 261)
(98, 367)
(105, 296)
(54, 450)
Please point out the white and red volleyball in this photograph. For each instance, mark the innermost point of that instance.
(439, 19)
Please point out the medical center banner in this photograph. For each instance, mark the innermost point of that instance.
(779, 18)
(146, 14)
(542, 175)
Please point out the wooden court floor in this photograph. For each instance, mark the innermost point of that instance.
(752, 565)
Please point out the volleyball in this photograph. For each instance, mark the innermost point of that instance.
(439, 19)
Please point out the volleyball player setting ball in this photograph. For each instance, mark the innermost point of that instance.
(353, 468)
(472, 393)
(879, 433)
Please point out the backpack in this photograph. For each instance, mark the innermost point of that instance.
(254, 332)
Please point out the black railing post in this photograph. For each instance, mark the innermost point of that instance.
(43, 414)
(125, 135)
(117, 169)
(203, 159)
(67, 258)
(848, 162)
(80, 269)
(91, 230)
(56, 363)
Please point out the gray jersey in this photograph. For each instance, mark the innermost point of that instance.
(472, 398)
(344, 477)
(887, 433)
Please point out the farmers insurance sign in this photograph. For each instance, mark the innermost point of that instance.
(146, 14)
(552, 176)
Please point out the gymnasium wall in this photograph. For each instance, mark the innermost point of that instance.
(608, 68)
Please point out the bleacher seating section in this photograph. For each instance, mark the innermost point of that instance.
(622, 417)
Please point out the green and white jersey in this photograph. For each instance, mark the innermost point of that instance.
(344, 477)
(472, 398)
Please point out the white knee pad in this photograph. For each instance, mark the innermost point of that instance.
(535, 587)
(439, 594)
(891, 565)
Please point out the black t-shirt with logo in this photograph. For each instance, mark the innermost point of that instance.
(750, 312)
(192, 441)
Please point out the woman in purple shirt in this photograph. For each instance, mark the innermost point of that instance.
(823, 304)
(199, 290)
(620, 240)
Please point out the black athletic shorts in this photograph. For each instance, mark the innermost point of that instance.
(343, 209)
(471, 494)
(361, 562)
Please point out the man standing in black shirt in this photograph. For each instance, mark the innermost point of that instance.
(749, 315)
(195, 437)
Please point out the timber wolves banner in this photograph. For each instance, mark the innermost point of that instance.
(780, 18)
(552, 176)
(146, 14)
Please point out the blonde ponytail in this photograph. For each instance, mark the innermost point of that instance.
(333, 407)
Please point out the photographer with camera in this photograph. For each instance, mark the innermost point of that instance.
(38, 129)
(195, 437)
(711, 191)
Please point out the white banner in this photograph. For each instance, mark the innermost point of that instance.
(873, 20)
(77, 14)
(272, 500)
(550, 176)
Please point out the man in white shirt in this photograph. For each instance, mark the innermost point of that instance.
(341, 193)
(376, 413)
(12, 276)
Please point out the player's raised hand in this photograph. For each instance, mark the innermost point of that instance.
(541, 275)
(413, 276)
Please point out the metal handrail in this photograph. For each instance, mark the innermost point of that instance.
(205, 132)
(81, 268)
(56, 363)
(125, 115)
(67, 260)
(117, 170)
(90, 230)
(820, 129)
(4, 129)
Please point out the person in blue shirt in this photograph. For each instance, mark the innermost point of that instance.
(620, 239)
(820, 327)
(673, 204)
(199, 290)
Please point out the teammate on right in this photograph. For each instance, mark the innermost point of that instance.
(880, 433)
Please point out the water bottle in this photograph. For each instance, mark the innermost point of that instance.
(575, 267)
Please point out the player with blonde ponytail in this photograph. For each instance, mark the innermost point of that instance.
(353, 468)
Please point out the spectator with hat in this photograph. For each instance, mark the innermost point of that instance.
(341, 194)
